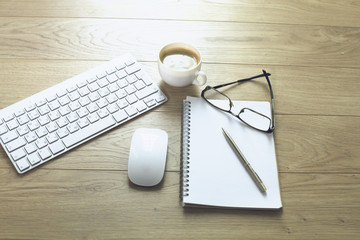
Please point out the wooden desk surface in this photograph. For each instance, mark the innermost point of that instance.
(312, 50)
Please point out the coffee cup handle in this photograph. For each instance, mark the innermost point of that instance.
(202, 80)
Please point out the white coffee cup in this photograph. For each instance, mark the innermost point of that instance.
(180, 64)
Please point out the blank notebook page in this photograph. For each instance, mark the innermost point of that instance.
(216, 176)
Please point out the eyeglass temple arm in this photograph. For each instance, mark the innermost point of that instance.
(265, 74)
(272, 100)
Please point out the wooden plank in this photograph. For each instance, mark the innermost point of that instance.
(308, 144)
(51, 204)
(334, 13)
(293, 87)
(219, 42)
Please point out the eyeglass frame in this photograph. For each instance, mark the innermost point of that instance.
(266, 75)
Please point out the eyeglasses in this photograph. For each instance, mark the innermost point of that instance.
(248, 116)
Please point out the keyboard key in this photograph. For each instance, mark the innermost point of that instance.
(84, 101)
(83, 122)
(22, 130)
(72, 117)
(91, 79)
(93, 87)
(94, 96)
(82, 112)
(93, 117)
(19, 112)
(17, 154)
(103, 113)
(61, 93)
(54, 105)
(64, 100)
(56, 147)
(51, 138)
(74, 96)
(23, 119)
(30, 148)
(33, 114)
(44, 110)
(43, 120)
(30, 137)
(30, 107)
(64, 110)
(15, 144)
(140, 106)
(101, 74)
(132, 69)
(131, 111)
(45, 153)
(112, 78)
(103, 82)
(12, 124)
(83, 91)
(9, 136)
(23, 164)
(146, 92)
(51, 127)
(41, 132)
(54, 115)
(34, 158)
(33, 125)
(40, 143)
(87, 132)
(73, 127)
(40, 102)
(8, 118)
(3, 129)
(120, 116)
(62, 122)
(102, 103)
(62, 132)
(121, 74)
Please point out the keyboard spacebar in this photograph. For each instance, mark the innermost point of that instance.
(88, 131)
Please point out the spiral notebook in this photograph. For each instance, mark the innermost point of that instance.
(211, 173)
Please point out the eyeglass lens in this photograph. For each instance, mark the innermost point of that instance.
(255, 119)
(217, 98)
(248, 116)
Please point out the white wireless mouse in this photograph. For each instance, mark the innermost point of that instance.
(147, 157)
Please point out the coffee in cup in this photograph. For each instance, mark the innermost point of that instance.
(180, 64)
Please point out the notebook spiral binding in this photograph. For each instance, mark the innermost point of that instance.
(185, 148)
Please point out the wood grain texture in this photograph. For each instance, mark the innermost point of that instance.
(219, 42)
(103, 204)
(330, 12)
(312, 50)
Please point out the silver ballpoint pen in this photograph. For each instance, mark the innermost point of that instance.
(247, 165)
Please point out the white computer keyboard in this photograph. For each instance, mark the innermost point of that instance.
(51, 122)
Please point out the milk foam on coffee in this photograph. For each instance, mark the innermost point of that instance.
(180, 61)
